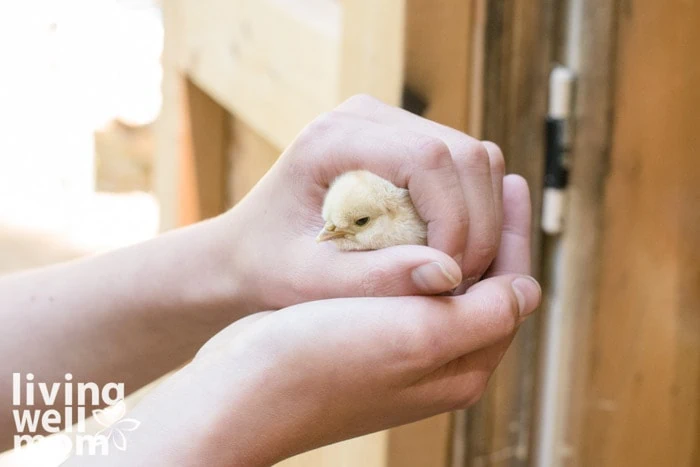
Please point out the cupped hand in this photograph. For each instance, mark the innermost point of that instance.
(333, 369)
(274, 384)
(455, 182)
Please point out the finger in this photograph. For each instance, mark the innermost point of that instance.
(513, 255)
(461, 382)
(421, 163)
(484, 316)
(396, 271)
(498, 171)
(472, 162)
(477, 164)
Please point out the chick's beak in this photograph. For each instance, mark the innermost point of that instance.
(329, 232)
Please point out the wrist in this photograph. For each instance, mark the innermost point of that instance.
(248, 280)
(205, 273)
(229, 417)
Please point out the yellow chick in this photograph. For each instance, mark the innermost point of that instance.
(363, 211)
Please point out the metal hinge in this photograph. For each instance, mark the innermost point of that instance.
(559, 136)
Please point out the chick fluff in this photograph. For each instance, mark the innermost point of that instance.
(363, 211)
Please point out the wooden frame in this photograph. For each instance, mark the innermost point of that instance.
(274, 66)
(514, 40)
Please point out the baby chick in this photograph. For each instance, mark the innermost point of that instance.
(363, 211)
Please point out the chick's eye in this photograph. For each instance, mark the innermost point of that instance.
(362, 221)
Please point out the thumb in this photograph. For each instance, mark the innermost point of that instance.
(395, 271)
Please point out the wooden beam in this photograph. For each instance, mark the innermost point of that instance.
(372, 49)
(192, 141)
(272, 63)
(250, 157)
(641, 384)
(420, 444)
(204, 139)
(581, 254)
(365, 451)
(439, 62)
(516, 53)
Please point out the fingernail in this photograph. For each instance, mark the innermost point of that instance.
(434, 277)
(528, 292)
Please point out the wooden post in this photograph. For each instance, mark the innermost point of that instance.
(581, 238)
(372, 49)
(192, 140)
(517, 46)
(639, 366)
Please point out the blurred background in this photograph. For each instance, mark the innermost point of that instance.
(79, 92)
(124, 118)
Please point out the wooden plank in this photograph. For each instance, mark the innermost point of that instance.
(250, 157)
(192, 140)
(167, 128)
(581, 253)
(438, 59)
(366, 451)
(272, 63)
(516, 53)
(420, 444)
(202, 192)
(372, 49)
(642, 403)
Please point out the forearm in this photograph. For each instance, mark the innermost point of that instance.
(201, 415)
(127, 316)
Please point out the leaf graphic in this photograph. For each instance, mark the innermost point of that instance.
(119, 440)
(128, 424)
(118, 410)
(101, 417)
(110, 414)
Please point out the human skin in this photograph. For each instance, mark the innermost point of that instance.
(134, 314)
(278, 383)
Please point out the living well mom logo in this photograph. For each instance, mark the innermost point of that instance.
(63, 412)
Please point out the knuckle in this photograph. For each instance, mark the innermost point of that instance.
(483, 249)
(374, 282)
(503, 307)
(359, 102)
(323, 123)
(434, 153)
(473, 158)
(468, 395)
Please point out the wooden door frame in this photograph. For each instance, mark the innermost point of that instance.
(521, 43)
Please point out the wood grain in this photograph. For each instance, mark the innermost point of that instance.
(516, 54)
(642, 403)
(580, 243)
(439, 59)
(192, 138)
(272, 63)
(372, 49)
(204, 138)
(250, 156)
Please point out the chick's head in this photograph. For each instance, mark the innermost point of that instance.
(363, 211)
